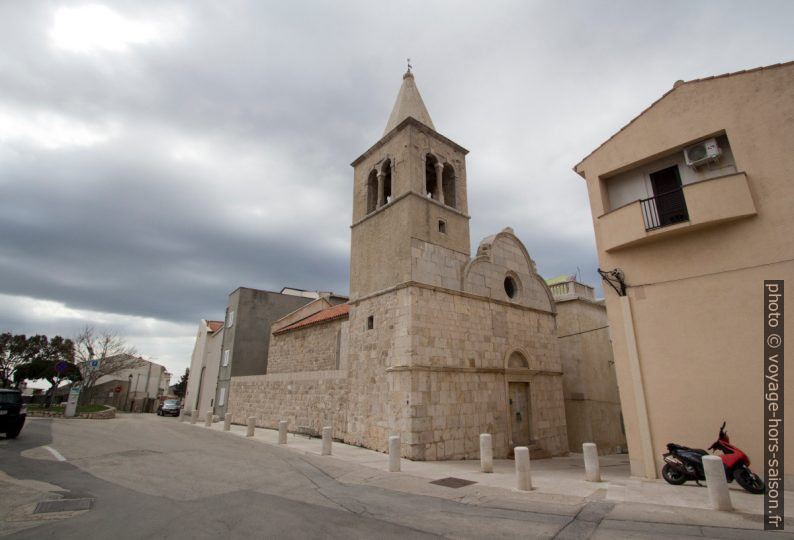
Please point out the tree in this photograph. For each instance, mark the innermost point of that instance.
(14, 352)
(181, 387)
(109, 349)
(51, 360)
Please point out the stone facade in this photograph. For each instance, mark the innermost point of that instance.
(437, 346)
(592, 402)
(315, 348)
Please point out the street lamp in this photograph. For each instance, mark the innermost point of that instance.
(129, 383)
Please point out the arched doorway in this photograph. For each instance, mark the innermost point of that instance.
(519, 400)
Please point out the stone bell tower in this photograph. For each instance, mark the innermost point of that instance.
(442, 346)
(409, 186)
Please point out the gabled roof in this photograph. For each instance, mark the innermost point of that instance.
(408, 104)
(215, 325)
(339, 311)
(675, 87)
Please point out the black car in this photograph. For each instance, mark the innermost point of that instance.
(169, 407)
(12, 412)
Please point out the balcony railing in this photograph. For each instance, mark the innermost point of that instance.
(664, 209)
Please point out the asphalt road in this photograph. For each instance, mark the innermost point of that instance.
(152, 477)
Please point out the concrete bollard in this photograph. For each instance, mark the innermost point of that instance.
(208, 419)
(592, 469)
(193, 417)
(486, 453)
(523, 476)
(215, 418)
(326, 451)
(282, 432)
(717, 483)
(251, 426)
(394, 453)
(227, 422)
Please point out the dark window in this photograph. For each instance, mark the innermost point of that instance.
(372, 192)
(510, 287)
(370, 322)
(448, 185)
(14, 398)
(667, 206)
(431, 187)
(386, 171)
(442, 226)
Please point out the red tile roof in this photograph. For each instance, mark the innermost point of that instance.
(340, 311)
(215, 325)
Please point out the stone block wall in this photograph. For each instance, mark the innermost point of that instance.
(449, 410)
(311, 399)
(378, 404)
(426, 362)
(313, 348)
(460, 345)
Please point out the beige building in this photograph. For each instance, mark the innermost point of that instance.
(204, 365)
(692, 202)
(589, 383)
(434, 345)
(134, 388)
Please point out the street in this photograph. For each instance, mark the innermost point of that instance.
(152, 477)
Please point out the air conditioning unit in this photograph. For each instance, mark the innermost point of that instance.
(702, 152)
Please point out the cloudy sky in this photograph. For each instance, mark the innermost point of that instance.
(156, 155)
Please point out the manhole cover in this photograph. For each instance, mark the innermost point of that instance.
(63, 505)
(453, 482)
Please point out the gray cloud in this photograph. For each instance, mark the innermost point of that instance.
(147, 183)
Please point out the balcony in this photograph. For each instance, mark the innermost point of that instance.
(696, 205)
(664, 209)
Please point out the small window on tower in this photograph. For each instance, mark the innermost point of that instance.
(370, 322)
(442, 226)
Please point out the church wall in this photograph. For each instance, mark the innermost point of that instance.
(306, 400)
(378, 402)
(592, 402)
(435, 265)
(496, 257)
(379, 258)
(459, 382)
(313, 348)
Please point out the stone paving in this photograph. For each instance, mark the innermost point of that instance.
(558, 480)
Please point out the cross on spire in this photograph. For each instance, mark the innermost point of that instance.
(409, 65)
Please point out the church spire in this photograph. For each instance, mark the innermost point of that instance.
(409, 103)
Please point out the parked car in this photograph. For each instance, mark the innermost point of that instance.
(169, 407)
(12, 412)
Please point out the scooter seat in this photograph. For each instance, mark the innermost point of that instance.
(677, 447)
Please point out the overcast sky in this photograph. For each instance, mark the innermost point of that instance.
(156, 155)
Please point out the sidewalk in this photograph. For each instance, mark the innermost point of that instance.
(555, 481)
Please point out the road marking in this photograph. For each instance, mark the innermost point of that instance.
(55, 453)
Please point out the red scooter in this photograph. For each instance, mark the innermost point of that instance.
(683, 463)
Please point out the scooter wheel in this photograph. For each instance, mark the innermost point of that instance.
(749, 480)
(673, 476)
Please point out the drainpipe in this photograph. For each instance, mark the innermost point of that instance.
(639, 389)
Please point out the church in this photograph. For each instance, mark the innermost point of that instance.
(434, 345)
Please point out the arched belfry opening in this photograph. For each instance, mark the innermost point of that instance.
(372, 191)
(385, 174)
(448, 186)
(432, 180)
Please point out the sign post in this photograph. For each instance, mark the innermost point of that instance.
(71, 404)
